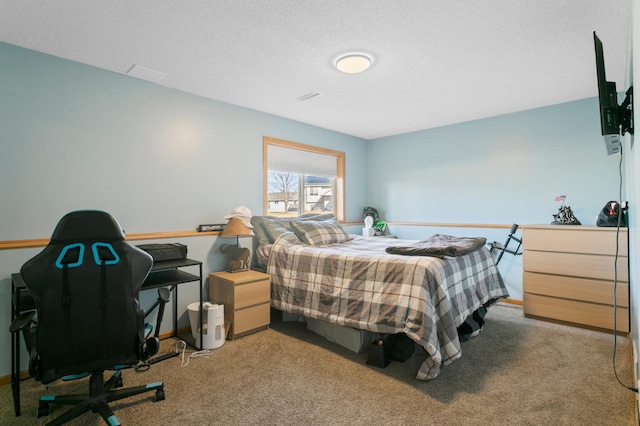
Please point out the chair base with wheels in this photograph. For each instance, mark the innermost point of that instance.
(101, 393)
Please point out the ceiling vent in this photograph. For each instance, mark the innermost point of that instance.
(145, 73)
(308, 96)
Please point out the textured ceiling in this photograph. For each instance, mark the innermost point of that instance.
(436, 62)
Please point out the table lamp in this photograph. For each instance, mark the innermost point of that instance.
(239, 256)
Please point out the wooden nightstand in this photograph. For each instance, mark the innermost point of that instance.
(246, 297)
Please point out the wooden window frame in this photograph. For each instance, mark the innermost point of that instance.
(339, 196)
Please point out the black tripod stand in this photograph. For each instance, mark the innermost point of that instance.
(503, 248)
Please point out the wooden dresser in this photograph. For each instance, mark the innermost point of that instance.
(569, 275)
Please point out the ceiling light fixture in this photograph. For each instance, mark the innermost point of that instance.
(353, 63)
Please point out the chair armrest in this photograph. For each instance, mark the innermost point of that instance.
(21, 321)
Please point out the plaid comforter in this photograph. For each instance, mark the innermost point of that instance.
(357, 284)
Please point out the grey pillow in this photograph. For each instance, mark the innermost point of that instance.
(276, 228)
(269, 228)
(319, 232)
(258, 229)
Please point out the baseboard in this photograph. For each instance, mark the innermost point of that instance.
(512, 301)
(6, 380)
(181, 331)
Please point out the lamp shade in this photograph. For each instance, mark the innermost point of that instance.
(236, 228)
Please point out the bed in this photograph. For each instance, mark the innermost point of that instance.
(319, 271)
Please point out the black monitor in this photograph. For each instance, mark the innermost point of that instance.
(614, 120)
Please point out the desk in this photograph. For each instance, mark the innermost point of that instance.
(167, 274)
(162, 274)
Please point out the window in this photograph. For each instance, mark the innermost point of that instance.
(301, 179)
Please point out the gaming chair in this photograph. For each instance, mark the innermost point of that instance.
(85, 285)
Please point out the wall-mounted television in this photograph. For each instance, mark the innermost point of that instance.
(615, 120)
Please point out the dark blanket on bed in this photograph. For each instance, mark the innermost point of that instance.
(439, 245)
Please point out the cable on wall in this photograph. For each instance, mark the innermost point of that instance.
(615, 278)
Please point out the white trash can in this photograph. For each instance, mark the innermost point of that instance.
(212, 324)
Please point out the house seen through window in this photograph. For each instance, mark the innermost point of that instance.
(301, 179)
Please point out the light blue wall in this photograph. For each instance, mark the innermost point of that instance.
(504, 169)
(76, 137)
(161, 160)
(501, 170)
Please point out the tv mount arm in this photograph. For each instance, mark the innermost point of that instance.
(625, 111)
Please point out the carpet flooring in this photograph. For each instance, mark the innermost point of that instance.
(518, 371)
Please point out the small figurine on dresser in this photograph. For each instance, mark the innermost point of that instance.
(565, 215)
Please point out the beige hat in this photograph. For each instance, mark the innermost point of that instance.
(242, 213)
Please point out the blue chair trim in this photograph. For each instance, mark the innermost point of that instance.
(64, 251)
(75, 376)
(96, 255)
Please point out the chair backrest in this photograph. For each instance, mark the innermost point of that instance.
(85, 284)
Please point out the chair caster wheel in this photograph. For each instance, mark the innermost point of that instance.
(43, 410)
(159, 395)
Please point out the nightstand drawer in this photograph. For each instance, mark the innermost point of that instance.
(252, 294)
(251, 318)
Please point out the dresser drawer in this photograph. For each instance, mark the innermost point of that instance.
(591, 314)
(584, 289)
(575, 264)
(572, 239)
